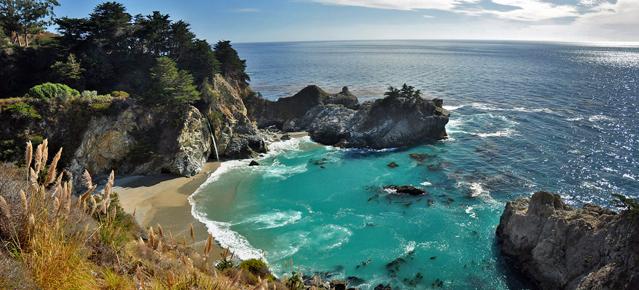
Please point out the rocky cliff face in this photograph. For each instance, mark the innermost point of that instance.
(284, 112)
(236, 135)
(133, 138)
(559, 247)
(143, 140)
(340, 120)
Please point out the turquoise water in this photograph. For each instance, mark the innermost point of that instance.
(525, 117)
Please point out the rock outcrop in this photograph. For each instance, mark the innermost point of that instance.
(559, 247)
(340, 120)
(143, 140)
(383, 123)
(236, 135)
(284, 112)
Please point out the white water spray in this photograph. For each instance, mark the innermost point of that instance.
(217, 156)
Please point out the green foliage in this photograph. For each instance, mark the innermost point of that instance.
(49, 91)
(89, 94)
(68, 72)
(170, 85)
(22, 18)
(112, 50)
(631, 204)
(115, 230)
(256, 267)
(119, 95)
(405, 92)
(231, 65)
(23, 110)
(295, 282)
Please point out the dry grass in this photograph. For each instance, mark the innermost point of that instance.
(51, 239)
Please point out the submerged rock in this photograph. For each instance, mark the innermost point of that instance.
(392, 165)
(419, 157)
(383, 287)
(353, 280)
(338, 285)
(405, 189)
(560, 247)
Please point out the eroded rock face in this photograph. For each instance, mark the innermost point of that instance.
(140, 140)
(383, 123)
(559, 247)
(285, 112)
(340, 120)
(236, 135)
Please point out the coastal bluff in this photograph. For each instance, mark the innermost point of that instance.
(138, 138)
(340, 120)
(560, 247)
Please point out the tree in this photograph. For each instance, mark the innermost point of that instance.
(109, 25)
(24, 18)
(169, 85)
(154, 32)
(68, 72)
(231, 65)
(405, 92)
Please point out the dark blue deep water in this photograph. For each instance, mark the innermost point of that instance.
(524, 117)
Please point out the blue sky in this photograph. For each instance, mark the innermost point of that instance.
(302, 20)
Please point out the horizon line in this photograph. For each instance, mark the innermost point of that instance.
(578, 42)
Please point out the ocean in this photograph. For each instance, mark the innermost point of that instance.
(525, 116)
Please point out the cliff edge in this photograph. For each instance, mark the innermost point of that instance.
(560, 247)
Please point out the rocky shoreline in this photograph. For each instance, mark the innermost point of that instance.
(560, 247)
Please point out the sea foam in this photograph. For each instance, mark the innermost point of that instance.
(222, 231)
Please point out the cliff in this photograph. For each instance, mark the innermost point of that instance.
(236, 135)
(560, 247)
(103, 133)
(142, 140)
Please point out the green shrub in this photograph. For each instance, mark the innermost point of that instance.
(256, 267)
(120, 95)
(89, 94)
(23, 110)
(100, 106)
(48, 91)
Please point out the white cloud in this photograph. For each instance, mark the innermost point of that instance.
(522, 10)
(401, 4)
(586, 20)
(247, 10)
(604, 22)
(528, 10)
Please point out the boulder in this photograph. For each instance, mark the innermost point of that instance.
(254, 163)
(405, 189)
(560, 247)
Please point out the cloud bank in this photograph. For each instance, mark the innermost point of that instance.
(559, 20)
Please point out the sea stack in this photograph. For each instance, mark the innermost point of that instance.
(560, 247)
(399, 120)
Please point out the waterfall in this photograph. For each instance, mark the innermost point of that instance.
(217, 156)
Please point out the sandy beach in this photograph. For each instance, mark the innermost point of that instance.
(163, 199)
